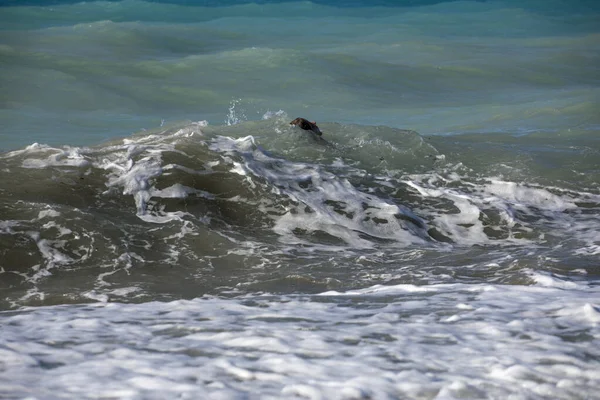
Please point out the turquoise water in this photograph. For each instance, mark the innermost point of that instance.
(165, 232)
(83, 73)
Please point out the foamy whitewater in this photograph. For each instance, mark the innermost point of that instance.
(165, 233)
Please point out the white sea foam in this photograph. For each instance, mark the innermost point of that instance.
(518, 210)
(135, 165)
(65, 157)
(48, 214)
(132, 166)
(529, 196)
(328, 203)
(454, 341)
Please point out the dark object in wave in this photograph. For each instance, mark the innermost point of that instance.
(307, 125)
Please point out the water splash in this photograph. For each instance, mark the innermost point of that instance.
(234, 116)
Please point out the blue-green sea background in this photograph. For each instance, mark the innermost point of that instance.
(80, 73)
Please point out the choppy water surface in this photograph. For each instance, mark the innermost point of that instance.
(441, 240)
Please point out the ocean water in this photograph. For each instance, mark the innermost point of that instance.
(166, 233)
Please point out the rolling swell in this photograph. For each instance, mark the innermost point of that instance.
(175, 206)
(261, 206)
